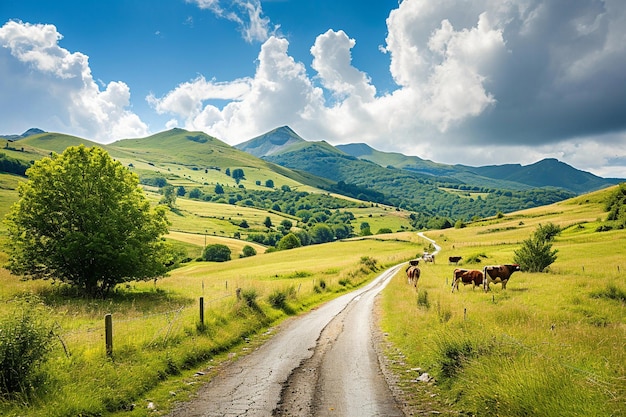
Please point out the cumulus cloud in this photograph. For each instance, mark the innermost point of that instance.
(49, 87)
(279, 93)
(483, 83)
(494, 81)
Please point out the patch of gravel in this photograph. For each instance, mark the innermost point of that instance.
(412, 388)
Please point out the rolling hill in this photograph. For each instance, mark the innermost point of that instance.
(282, 158)
(545, 173)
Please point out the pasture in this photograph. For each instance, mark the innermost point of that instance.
(551, 344)
(159, 344)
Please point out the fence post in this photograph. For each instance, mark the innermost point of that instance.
(108, 330)
(202, 312)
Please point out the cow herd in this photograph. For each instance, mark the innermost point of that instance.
(496, 274)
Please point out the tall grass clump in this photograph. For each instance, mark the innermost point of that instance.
(611, 292)
(25, 342)
(422, 299)
(279, 297)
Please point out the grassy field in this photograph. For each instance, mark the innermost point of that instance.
(159, 343)
(551, 344)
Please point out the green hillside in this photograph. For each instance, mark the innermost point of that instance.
(429, 195)
(545, 173)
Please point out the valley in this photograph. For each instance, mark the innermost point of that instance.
(551, 344)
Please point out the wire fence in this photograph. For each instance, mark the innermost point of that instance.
(114, 333)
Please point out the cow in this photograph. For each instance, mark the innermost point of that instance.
(454, 259)
(498, 274)
(428, 257)
(413, 275)
(466, 277)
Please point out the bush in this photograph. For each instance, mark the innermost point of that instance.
(25, 342)
(216, 253)
(536, 253)
(248, 251)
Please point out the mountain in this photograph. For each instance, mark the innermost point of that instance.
(545, 173)
(29, 132)
(429, 189)
(270, 142)
(548, 172)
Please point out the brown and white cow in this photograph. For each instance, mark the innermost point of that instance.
(428, 257)
(413, 275)
(466, 277)
(498, 274)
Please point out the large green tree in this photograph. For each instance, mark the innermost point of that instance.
(83, 219)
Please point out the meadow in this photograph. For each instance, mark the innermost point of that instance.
(161, 350)
(551, 344)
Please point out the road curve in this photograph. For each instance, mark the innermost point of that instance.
(322, 363)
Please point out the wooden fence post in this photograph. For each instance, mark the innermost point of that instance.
(108, 330)
(202, 312)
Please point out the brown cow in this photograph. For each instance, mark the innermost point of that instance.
(454, 259)
(466, 277)
(498, 274)
(413, 275)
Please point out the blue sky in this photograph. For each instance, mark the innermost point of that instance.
(475, 82)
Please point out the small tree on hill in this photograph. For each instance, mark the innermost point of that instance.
(289, 241)
(82, 219)
(536, 253)
(216, 253)
(248, 251)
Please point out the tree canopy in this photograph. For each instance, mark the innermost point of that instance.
(83, 219)
(216, 253)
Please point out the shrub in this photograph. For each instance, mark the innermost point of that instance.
(536, 253)
(25, 342)
(216, 253)
(278, 299)
(248, 251)
(369, 263)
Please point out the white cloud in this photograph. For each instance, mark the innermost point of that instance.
(332, 60)
(57, 88)
(247, 14)
(279, 93)
(490, 82)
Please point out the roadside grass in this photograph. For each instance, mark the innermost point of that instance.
(551, 344)
(161, 351)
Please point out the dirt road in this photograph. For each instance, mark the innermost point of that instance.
(320, 364)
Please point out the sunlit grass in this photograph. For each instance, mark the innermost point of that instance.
(551, 344)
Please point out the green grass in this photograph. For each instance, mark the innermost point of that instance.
(158, 340)
(551, 344)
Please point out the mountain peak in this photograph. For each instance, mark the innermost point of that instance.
(30, 132)
(270, 142)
